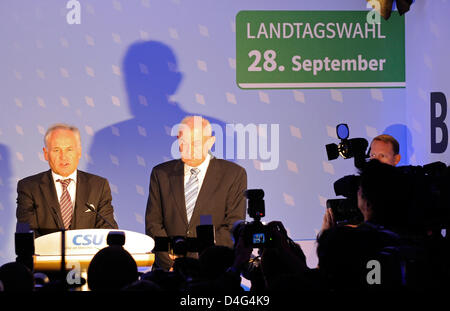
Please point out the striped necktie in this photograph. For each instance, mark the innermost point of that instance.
(191, 192)
(65, 203)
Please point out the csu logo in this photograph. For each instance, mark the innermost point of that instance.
(87, 239)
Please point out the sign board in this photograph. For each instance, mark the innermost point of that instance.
(319, 49)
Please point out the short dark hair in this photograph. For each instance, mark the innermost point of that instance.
(112, 268)
(389, 139)
(386, 190)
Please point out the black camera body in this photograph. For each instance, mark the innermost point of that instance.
(256, 234)
(175, 245)
(181, 245)
(430, 199)
(346, 211)
(24, 245)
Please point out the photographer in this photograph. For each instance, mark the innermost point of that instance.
(281, 265)
(284, 265)
(383, 198)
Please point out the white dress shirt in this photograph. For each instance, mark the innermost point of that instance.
(201, 175)
(72, 188)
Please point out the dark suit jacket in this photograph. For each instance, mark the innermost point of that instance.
(221, 196)
(38, 205)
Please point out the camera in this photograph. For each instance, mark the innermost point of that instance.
(24, 245)
(181, 245)
(423, 189)
(346, 211)
(428, 186)
(175, 245)
(115, 238)
(256, 234)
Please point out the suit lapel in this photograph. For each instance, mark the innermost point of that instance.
(48, 189)
(81, 198)
(210, 183)
(176, 180)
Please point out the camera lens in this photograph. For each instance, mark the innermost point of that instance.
(180, 246)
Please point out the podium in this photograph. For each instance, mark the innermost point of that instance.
(81, 246)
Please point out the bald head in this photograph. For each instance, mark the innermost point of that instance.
(195, 140)
(198, 123)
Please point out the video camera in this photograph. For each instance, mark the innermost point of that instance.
(430, 198)
(428, 195)
(345, 211)
(181, 245)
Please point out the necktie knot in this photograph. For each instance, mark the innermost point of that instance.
(195, 171)
(65, 182)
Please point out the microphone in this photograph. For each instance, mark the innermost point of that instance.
(91, 207)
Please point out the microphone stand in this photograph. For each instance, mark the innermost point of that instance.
(92, 208)
(63, 258)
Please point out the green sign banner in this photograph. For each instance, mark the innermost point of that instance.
(319, 49)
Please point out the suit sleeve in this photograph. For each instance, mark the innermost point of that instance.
(105, 208)
(26, 211)
(235, 208)
(154, 222)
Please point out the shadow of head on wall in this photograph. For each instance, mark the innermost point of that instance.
(151, 77)
(7, 205)
(404, 138)
(125, 152)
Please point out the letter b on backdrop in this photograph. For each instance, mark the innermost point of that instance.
(438, 122)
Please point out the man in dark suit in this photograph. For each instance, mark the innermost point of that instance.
(197, 184)
(57, 198)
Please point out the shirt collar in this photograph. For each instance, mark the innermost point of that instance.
(72, 176)
(202, 167)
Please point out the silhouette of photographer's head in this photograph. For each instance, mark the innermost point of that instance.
(112, 268)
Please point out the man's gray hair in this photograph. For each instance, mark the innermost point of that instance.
(61, 126)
